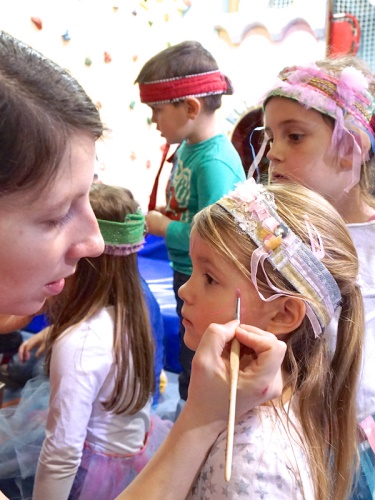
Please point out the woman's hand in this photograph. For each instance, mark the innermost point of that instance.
(259, 375)
(36, 341)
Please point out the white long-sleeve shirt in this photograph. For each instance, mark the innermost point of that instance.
(363, 236)
(82, 378)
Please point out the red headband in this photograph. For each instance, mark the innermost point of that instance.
(203, 84)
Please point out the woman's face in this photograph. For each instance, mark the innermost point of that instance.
(43, 235)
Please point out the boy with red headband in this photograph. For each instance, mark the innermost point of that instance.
(183, 86)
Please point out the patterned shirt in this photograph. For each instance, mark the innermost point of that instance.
(269, 461)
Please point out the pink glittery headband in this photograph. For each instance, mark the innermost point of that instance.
(254, 210)
(346, 99)
(173, 89)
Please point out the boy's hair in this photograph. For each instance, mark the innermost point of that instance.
(343, 90)
(184, 59)
(112, 281)
(325, 386)
(41, 107)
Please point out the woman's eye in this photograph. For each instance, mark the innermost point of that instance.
(61, 221)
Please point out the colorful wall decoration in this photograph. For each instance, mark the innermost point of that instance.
(104, 44)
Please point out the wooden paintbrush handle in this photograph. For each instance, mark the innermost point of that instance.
(234, 368)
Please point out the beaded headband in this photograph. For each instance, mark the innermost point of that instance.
(173, 89)
(123, 238)
(346, 99)
(254, 210)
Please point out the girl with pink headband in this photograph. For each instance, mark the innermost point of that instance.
(320, 127)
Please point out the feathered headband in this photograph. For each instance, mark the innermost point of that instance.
(123, 238)
(346, 99)
(174, 89)
(254, 210)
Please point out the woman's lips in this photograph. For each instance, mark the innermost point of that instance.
(55, 287)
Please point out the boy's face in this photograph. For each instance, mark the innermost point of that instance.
(300, 141)
(44, 234)
(171, 121)
(211, 292)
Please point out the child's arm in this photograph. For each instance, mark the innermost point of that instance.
(9, 323)
(35, 341)
(157, 223)
(172, 471)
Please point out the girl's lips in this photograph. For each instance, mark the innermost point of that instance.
(186, 322)
(55, 287)
(278, 177)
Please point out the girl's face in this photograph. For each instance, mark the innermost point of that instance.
(45, 234)
(211, 292)
(300, 140)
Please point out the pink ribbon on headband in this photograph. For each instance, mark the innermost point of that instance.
(203, 84)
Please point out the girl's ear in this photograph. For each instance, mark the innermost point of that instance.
(365, 145)
(193, 107)
(288, 315)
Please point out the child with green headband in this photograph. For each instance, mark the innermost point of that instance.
(183, 87)
(320, 127)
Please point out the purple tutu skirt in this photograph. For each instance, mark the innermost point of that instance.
(105, 476)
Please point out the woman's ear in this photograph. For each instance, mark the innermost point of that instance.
(193, 107)
(288, 315)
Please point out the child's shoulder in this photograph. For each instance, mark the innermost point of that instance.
(94, 331)
(218, 148)
(267, 457)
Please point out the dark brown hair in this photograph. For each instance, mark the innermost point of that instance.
(41, 106)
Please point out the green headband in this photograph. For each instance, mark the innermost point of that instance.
(123, 238)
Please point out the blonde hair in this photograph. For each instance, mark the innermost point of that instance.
(112, 281)
(325, 385)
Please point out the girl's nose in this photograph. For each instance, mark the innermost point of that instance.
(274, 153)
(184, 292)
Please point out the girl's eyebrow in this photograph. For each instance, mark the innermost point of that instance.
(286, 122)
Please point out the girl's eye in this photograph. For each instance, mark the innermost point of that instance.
(209, 279)
(295, 137)
(268, 137)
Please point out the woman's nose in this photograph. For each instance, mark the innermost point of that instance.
(89, 242)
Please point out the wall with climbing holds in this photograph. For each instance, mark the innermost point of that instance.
(104, 44)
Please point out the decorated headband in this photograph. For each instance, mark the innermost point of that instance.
(123, 238)
(346, 99)
(173, 89)
(254, 210)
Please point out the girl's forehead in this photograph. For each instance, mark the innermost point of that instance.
(287, 110)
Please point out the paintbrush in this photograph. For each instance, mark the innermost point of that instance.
(234, 368)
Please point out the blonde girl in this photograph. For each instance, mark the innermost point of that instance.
(288, 253)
